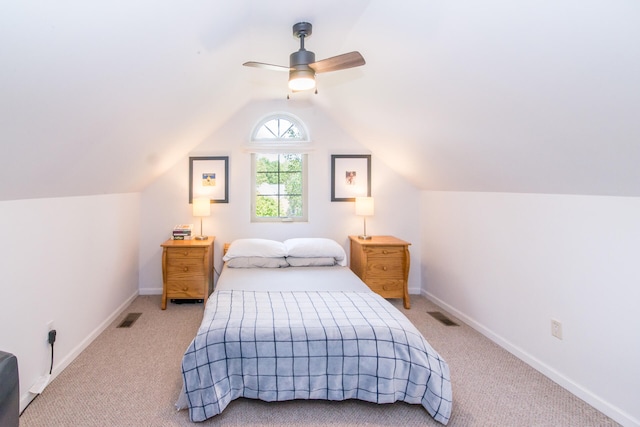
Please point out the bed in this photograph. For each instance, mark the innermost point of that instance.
(289, 320)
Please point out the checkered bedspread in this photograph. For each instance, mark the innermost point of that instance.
(310, 345)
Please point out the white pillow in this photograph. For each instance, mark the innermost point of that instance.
(315, 247)
(255, 248)
(311, 262)
(257, 262)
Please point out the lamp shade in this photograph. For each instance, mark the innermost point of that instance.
(201, 206)
(364, 206)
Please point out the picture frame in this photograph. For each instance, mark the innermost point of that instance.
(350, 177)
(209, 177)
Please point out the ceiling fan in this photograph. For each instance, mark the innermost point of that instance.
(303, 66)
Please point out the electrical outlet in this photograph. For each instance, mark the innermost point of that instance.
(556, 329)
(52, 336)
(40, 384)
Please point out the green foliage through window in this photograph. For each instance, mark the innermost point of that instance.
(279, 185)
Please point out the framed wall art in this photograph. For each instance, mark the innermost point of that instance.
(350, 177)
(209, 177)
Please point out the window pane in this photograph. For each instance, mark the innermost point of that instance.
(266, 206)
(291, 162)
(292, 182)
(290, 131)
(272, 127)
(268, 182)
(264, 133)
(267, 163)
(292, 206)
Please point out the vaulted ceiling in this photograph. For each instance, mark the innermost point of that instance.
(535, 96)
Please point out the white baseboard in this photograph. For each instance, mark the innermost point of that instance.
(603, 406)
(150, 291)
(27, 397)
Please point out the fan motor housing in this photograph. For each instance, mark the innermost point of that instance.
(301, 57)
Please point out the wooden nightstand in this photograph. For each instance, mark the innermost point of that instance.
(382, 262)
(187, 269)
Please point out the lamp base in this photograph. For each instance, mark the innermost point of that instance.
(364, 237)
(201, 237)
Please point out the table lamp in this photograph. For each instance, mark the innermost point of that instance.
(364, 207)
(201, 208)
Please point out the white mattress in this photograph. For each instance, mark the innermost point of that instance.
(335, 278)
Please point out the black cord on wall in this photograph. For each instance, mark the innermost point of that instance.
(52, 339)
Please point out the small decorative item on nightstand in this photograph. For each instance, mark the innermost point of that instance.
(382, 262)
(187, 269)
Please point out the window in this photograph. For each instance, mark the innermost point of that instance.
(279, 170)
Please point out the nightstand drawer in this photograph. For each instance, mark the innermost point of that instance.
(194, 255)
(186, 270)
(385, 267)
(387, 286)
(384, 251)
(185, 289)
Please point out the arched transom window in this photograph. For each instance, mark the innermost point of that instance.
(279, 128)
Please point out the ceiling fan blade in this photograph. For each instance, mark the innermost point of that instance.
(340, 62)
(265, 66)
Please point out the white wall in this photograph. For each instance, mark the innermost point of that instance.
(72, 261)
(509, 263)
(165, 202)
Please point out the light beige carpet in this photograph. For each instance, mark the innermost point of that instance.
(131, 377)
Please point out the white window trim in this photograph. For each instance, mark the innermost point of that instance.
(301, 145)
(305, 197)
(281, 114)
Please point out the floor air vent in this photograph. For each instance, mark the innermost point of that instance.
(129, 320)
(442, 318)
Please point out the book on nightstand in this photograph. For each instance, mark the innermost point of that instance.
(182, 232)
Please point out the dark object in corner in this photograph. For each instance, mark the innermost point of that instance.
(9, 390)
(129, 320)
(186, 301)
(442, 318)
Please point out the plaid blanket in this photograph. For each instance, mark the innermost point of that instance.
(310, 345)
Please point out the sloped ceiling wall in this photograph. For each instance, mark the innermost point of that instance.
(527, 96)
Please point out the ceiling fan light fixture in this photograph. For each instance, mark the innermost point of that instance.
(301, 80)
(303, 66)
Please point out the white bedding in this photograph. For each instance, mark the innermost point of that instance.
(335, 278)
(307, 333)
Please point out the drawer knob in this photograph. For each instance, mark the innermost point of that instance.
(185, 289)
(384, 268)
(185, 269)
(385, 251)
(186, 253)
